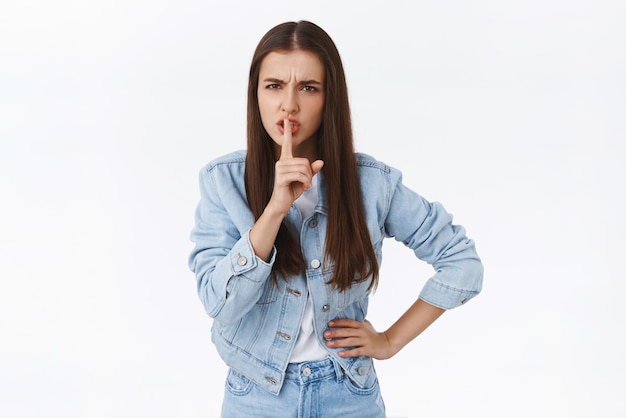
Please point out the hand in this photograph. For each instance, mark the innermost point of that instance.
(293, 176)
(363, 339)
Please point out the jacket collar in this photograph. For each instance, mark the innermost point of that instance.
(322, 205)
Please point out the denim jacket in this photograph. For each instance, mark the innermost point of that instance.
(256, 322)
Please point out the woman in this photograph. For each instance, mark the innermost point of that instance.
(288, 239)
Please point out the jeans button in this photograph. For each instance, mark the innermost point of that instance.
(325, 308)
(306, 372)
(361, 371)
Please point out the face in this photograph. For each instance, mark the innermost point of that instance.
(291, 86)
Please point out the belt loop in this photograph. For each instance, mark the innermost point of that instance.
(338, 370)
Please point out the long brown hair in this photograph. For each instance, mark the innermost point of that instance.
(348, 244)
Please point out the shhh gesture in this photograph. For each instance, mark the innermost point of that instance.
(293, 175)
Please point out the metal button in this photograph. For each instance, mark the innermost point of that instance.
(315, 263)
(294, 292)
(361, 371)
(313, 223)
(464, 300)
(306, 372)
(242, 261)
(325, 308)
(285, 336)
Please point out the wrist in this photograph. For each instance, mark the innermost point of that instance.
(274, 211)
(393, 345)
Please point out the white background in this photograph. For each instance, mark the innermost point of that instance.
(511, 113)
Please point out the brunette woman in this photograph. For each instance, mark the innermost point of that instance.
(288, 239)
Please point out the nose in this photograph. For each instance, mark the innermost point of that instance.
(290, 102)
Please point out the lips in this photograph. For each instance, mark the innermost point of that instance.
(295, 125)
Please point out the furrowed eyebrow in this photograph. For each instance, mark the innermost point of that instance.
(309, 82)
(302, 83)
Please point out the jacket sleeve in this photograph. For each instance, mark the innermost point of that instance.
(230, 277)
(428, 230)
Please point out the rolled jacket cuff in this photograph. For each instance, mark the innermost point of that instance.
(443, 296)
(243, 261)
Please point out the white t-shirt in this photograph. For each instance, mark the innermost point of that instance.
(307, 347)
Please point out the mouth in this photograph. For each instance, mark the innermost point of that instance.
(295, 125)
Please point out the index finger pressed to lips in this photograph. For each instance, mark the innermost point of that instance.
(286, 148)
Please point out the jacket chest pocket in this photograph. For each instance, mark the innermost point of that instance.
(270, 293)
(341, 300)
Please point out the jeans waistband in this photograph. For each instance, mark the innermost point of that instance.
(309, 371)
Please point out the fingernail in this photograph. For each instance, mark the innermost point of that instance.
(331, 323)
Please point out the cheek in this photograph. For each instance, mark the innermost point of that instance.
(320, 112)
(267, 118)
(263, 99)
(263, 111)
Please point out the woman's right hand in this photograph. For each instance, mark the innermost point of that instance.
(292, 176)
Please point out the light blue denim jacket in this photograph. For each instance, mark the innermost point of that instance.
(256, 323)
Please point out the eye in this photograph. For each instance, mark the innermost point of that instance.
(273, 86)
(310, 88)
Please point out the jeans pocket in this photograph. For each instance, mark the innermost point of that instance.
(238, 384)
(370, 387)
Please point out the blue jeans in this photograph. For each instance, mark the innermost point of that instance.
(313, 389)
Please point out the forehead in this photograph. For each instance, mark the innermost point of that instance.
(298, 64)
